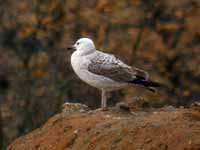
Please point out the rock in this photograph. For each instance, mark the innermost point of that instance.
(123, 106)
(69, 108)
(148, 140)
(196, 106)
(111, 129)
(168, 108)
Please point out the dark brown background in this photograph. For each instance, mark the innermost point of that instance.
(161, 37)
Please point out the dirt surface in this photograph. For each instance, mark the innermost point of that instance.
(167, 128)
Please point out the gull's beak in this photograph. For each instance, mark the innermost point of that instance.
(73, 48)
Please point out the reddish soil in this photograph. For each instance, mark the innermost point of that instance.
(168, 128)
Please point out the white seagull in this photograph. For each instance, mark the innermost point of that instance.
(104, 71)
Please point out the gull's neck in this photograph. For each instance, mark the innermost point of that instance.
(84, 53)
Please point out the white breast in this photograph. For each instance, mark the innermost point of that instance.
(78, 63)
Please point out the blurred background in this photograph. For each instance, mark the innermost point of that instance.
(161, 37)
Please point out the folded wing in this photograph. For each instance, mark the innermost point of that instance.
(113, 68)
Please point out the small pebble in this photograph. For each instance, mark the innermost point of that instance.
(117, 118)
(156, 125)
(107, 116)
(76, 131)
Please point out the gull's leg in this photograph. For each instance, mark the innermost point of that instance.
(103, 100)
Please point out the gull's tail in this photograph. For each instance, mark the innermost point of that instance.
(150, 85)
(142, 78)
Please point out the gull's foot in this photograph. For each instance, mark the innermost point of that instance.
(104, 109)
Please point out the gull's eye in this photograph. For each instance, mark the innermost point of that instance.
(77, 43)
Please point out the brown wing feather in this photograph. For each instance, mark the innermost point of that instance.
(115, 69)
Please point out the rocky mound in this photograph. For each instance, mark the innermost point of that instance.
(77, 128)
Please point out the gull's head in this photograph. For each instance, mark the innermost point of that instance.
(84, 45)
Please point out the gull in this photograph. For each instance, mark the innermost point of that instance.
(104, 71)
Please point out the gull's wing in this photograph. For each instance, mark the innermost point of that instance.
(109, 66)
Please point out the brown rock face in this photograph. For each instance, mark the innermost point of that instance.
(162, 129)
